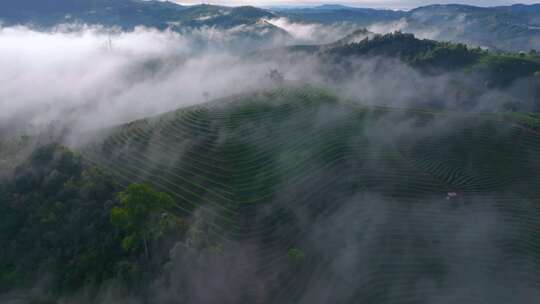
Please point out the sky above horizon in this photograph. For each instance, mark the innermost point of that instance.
(394, 4)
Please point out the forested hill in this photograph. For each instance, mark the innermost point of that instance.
(66, 225)
(431, 54)
(260, 196)
(468, 72)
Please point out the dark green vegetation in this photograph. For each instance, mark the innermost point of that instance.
(358, 200)
(501, 69)
(286, 196)
(211, 143)
(421, 53)
(54, 217)
(468, 74)
(142, 216)
(63, 225)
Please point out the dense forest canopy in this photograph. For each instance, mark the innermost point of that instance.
(69, 223)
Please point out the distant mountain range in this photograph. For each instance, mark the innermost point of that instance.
(507, 28)
(511, 28)
(127, 13)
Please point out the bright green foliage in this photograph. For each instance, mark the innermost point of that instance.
(142, 215)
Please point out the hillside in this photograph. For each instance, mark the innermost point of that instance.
(467, 73)
(287, 173)
(308, 189)
(432, 54)
(156, 153)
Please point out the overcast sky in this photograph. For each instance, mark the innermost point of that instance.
(396, 4)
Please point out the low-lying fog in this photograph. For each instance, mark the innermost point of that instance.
(90, 76)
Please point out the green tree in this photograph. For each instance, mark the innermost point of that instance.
(142, 216)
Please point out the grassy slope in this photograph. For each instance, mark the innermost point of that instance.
(298, 175)
(261, 163)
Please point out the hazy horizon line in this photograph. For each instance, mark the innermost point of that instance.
(390, 5)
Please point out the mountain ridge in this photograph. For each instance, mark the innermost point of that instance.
(504, 28)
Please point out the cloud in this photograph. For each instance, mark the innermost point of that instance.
(313, 33)
(97, 76)
(93, 77)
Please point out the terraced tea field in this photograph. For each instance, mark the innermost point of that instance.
(385, 205)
